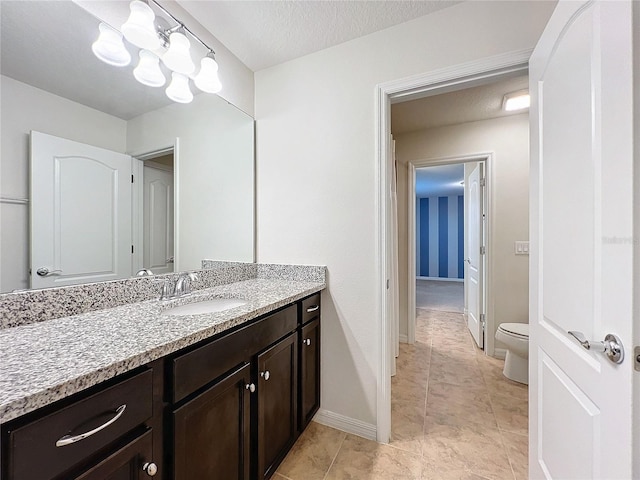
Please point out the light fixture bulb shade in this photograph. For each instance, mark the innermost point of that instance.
(110, 48)
(139, 29)
(178, 57)
(207, 79)
(178, 90)
(148, 70)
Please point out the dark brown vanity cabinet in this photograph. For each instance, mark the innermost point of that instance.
(228, 408)
(212, 432)
(309, 401)
(104, 433)
(277, 403)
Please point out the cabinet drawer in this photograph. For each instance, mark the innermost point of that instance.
(310, 308)
(197, 368)
(32, 447)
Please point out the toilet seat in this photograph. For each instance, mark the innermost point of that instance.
(519, 330)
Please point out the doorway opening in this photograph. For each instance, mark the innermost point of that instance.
(154, 211)
(456, 78)
(447, 238)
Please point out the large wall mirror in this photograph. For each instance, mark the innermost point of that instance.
(186, 171)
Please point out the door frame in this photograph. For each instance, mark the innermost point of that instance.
(438, 81)
(487, 159)
(137, 204)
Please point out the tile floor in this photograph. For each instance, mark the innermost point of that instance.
(439, 295)
(454, 416)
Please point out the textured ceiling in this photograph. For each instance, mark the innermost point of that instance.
(265, 33)
(468, 105)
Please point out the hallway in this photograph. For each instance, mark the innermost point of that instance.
(454, 416)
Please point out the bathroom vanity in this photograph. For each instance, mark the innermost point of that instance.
(220, 395)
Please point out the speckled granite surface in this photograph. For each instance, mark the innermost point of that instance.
(22, 308)
(46, 361)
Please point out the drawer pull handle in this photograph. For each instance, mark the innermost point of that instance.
(68, 439)
(313, 308)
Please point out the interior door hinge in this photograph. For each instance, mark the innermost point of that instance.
(483, 250)
(482, 321)
(483, 182)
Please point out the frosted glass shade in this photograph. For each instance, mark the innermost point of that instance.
(178, 90)
(148, 70)
(139, 28)
(178, 58)
(110, 48)
(207, 79)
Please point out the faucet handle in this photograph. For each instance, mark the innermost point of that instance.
(167, 290)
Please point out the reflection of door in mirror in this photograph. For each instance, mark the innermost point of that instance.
(80, 213)
(157, 248)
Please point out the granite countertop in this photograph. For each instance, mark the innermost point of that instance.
(47, 361)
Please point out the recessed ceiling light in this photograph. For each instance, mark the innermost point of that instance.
(519, 100)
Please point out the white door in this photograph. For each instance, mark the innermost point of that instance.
(581, 278)
(475, 258)
(80, 213)
(158, 220)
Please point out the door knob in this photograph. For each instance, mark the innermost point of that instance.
(611, 347)
(44, 271)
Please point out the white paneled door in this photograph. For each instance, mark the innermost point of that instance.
(80, 213)
(158, 220)
(581, 403)
(475, 255)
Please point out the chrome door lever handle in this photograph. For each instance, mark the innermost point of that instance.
(611, 347)
(44, 272)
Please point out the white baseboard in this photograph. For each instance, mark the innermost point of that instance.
(500, 353)
(346, 424)
(402, 338)
(439, 279)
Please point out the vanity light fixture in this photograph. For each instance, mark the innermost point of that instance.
(178, 90)
(140, 29)
(110, 48)
(516, 101)
(151, 34)
(148, 70)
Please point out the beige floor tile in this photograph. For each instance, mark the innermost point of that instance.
(277, 476)
(474, 449)
(518, 452)
(313, 453)
(459, 405)
(361, 459)
(407, 420)
(512, 414)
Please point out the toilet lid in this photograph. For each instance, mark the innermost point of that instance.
(518, 329)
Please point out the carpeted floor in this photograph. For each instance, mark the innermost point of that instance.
(440, 296)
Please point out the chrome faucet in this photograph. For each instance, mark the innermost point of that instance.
(183, 284)
(180, 288)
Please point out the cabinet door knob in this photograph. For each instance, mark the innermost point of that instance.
(251, 387)
(306, 341)
(150, 468)
(265, 374)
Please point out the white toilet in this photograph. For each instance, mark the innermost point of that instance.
(516, 338)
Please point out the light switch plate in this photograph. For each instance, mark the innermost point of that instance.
(522, 248)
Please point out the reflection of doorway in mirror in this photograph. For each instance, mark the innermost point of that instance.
(158, 213)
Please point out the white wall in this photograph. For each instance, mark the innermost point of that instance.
(214, 171)
(316, 168)
(25, 108)
(508, 139)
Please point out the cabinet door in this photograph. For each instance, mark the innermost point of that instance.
(212, 431)
(277, 402)
(127, 463)
(309, 372)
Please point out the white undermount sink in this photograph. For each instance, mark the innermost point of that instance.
(205, 306)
